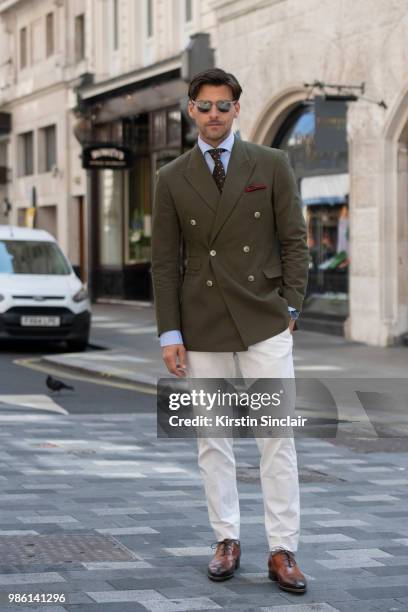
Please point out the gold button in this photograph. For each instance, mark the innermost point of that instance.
(257, 214)
(246, 249)
(251, 277)
(213, 252)
(193, 222)
(209, 283)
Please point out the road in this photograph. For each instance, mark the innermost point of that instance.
(21, 373)
(97, 509)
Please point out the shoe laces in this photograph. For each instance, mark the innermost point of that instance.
(290, 558)
(225, 544)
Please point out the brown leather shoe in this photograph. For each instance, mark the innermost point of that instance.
(225, 561)
(283, 568)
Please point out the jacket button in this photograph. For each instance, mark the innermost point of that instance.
(257, 214)
(213, 252)
(246, 249)
(251, 277)
(209, 283)
(193, 222)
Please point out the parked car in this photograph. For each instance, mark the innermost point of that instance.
(41, 297)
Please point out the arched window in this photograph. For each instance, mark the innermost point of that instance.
(314, 137)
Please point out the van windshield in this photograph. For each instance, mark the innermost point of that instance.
(31, 257)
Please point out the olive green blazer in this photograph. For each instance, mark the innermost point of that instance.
(247, 256)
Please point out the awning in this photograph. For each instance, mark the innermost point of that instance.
(325, 189)
(150, 98)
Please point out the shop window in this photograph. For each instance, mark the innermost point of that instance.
(174, 127)
(328, 241)
(110, 219)
(139, 213)
(159, 136)
(321, 168)
(166, 128)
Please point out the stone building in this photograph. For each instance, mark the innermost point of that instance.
(275, 47)
(43, 51)
(108, 75)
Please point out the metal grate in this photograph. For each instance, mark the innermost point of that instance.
(61, 548)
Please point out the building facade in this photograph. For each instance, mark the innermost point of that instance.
(107, 81)
(43, 55)
(361, 229)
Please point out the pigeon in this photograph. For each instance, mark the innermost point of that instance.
(56, 385)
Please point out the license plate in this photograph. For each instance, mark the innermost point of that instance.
(40, 321)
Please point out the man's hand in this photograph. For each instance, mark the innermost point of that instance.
(173, 353)
(292, 325)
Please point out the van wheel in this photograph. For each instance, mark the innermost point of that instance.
(77, 346)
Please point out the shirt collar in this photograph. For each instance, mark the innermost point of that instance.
(227, 143)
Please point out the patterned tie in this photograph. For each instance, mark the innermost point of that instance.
(218, 172)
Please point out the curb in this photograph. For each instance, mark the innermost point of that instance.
(116, 378)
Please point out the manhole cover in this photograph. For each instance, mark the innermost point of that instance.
(56, 548)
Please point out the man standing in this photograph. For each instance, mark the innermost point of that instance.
(236, 207)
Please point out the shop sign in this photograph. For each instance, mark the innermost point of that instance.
(106, 157)
(331, 126)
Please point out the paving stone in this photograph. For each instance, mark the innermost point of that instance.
(36, 578)
(315, 607)
(348, 546)
(325, 537)
(342, 523)
(154, 601)
(128, 531)
(382, 592)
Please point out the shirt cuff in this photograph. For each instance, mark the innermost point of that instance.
(294, 314)
(171, 337)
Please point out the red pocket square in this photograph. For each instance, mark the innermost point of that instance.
(254, 187)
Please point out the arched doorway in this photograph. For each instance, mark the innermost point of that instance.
(319, 157)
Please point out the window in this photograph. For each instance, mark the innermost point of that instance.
(188, 10)
(47, 154)
(149, 17)
(115, 25)
(37, 41)
(23, 47)
(26, 154)
(49, 34)
(32, 257)
(79, 38)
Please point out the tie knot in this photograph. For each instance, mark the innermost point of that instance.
(216, 153)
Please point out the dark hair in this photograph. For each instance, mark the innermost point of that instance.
(214, 76)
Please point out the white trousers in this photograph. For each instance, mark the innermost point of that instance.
(271, 358)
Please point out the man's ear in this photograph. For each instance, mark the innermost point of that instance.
(190, 107)
(237, 109)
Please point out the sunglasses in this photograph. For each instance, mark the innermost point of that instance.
(204, 106)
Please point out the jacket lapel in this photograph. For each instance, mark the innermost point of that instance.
(199, 176)
(239, 170)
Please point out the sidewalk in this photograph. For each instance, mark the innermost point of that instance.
(97, 509)
(133, 352)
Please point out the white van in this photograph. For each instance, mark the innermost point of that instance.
(40, 295)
